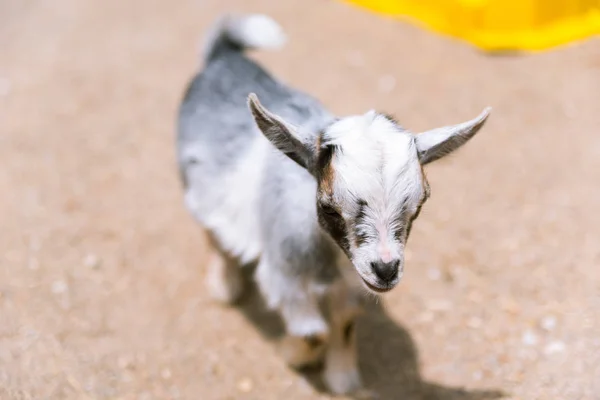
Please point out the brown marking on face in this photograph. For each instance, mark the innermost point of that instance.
(326, 183)
(325, 171)
(327, 212)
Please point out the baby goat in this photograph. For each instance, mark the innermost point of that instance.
(306, 194)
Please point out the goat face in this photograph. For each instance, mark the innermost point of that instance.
(371, 184)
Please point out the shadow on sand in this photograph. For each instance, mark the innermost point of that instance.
(388, 362)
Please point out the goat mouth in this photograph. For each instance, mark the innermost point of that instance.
(377, 289)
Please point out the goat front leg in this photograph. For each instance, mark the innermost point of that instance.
(306, 328)
(341, 374)
(307, 333)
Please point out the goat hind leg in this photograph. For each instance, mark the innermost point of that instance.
(223, 280)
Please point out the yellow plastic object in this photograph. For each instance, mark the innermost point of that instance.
(495, 25)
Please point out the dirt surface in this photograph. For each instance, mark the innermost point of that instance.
(101, 278)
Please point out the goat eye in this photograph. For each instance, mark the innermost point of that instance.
(329, 210)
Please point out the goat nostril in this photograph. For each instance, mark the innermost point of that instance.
(386, 271)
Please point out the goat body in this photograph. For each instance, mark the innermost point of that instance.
(301, 192)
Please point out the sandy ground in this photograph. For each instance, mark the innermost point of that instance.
(101, 277)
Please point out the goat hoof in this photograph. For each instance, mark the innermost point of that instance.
(226, 294)
(342, 381)
(302, 352)
(225, 289)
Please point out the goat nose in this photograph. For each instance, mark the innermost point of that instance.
(386, 271)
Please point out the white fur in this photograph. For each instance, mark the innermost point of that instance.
(298, 301)
(257, 31)
(224, 280)
(378, 163)
(215, 211)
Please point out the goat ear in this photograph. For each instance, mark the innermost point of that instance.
(435, 144)
(283, 135)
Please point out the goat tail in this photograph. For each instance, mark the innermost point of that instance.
(237, 33)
